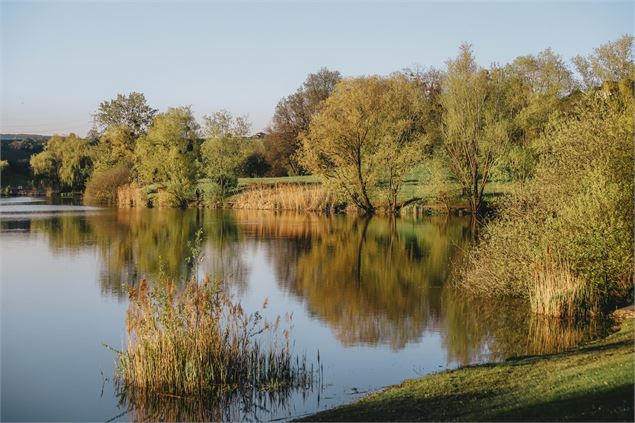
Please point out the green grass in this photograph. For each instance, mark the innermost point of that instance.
(591, 383)
(307, 179)
(414, 187)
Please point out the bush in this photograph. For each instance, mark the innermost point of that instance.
(103, 185)
(579, 205)
(217, 189)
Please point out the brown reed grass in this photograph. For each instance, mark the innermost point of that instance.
(294, 197)
(558, 292)
(131, 195)
(196, 342)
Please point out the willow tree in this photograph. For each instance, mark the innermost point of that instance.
(365, 137)
(474, 130)
(168, 154)
(65, 163)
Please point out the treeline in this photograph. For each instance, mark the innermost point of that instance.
(562, 240)
(464, 125)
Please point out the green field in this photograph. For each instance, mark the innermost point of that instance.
(307, 179)
(592, 383)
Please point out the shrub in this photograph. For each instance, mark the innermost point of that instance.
(580, 205)
(103, 185)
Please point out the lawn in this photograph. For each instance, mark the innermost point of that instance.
(591, 383)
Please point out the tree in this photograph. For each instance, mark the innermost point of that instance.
(66, 162)
(114, 147)
(573, 221)
(611, 62)
(255, 165)
(292, 118)
(168, 154)
(224, 150)
(365, 137)
(537, 86)
(130, 111)
(430, 85)
(473, 129)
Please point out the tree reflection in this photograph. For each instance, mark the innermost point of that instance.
(147, 243)
(375, 281)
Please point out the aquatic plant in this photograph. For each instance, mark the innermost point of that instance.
(296, 197)
(197, 342)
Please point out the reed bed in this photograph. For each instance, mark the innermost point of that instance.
(131, 195)
(558, 292)
(294, 197)
(196, 342)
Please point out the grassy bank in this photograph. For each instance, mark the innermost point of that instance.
(591, 383)
(306, 193)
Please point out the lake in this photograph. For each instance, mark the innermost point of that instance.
(373, 296)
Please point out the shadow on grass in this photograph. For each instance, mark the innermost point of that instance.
(615, 404)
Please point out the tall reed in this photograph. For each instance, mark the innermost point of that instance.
(196, 342)
(295, 197)
(558, 292)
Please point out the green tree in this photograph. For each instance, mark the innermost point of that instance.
(130, 111)
(292, 118)
(574, 221)
(115, 146)
(223, 151)
(474, 128)
(538, 84)
(168, 154)
(65, 163)
(365, 137)
(611, 62)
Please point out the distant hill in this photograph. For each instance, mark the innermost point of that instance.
(14, 137)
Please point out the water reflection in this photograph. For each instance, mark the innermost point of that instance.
(232, 406)
(372, 281)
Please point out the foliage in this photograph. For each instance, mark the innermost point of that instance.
(103, 184)
(474, 124)
(611, 62)
(291, 119)
(115, 146)
(168, 154)
(130, 111)
(224, 152)
(255, 165)
(66, 162)
(580, 205)
(364, 139)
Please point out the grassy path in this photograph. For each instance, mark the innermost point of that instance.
(592, 383)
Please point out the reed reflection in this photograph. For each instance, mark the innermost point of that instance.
(373, 282)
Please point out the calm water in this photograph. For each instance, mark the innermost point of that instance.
(372, 296)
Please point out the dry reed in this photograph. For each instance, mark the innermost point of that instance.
(558, 292)
(130, 195)
(295, 197)
(196, 342)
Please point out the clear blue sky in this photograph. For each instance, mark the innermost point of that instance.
(61, 58)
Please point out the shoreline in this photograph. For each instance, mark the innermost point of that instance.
(593, 382)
